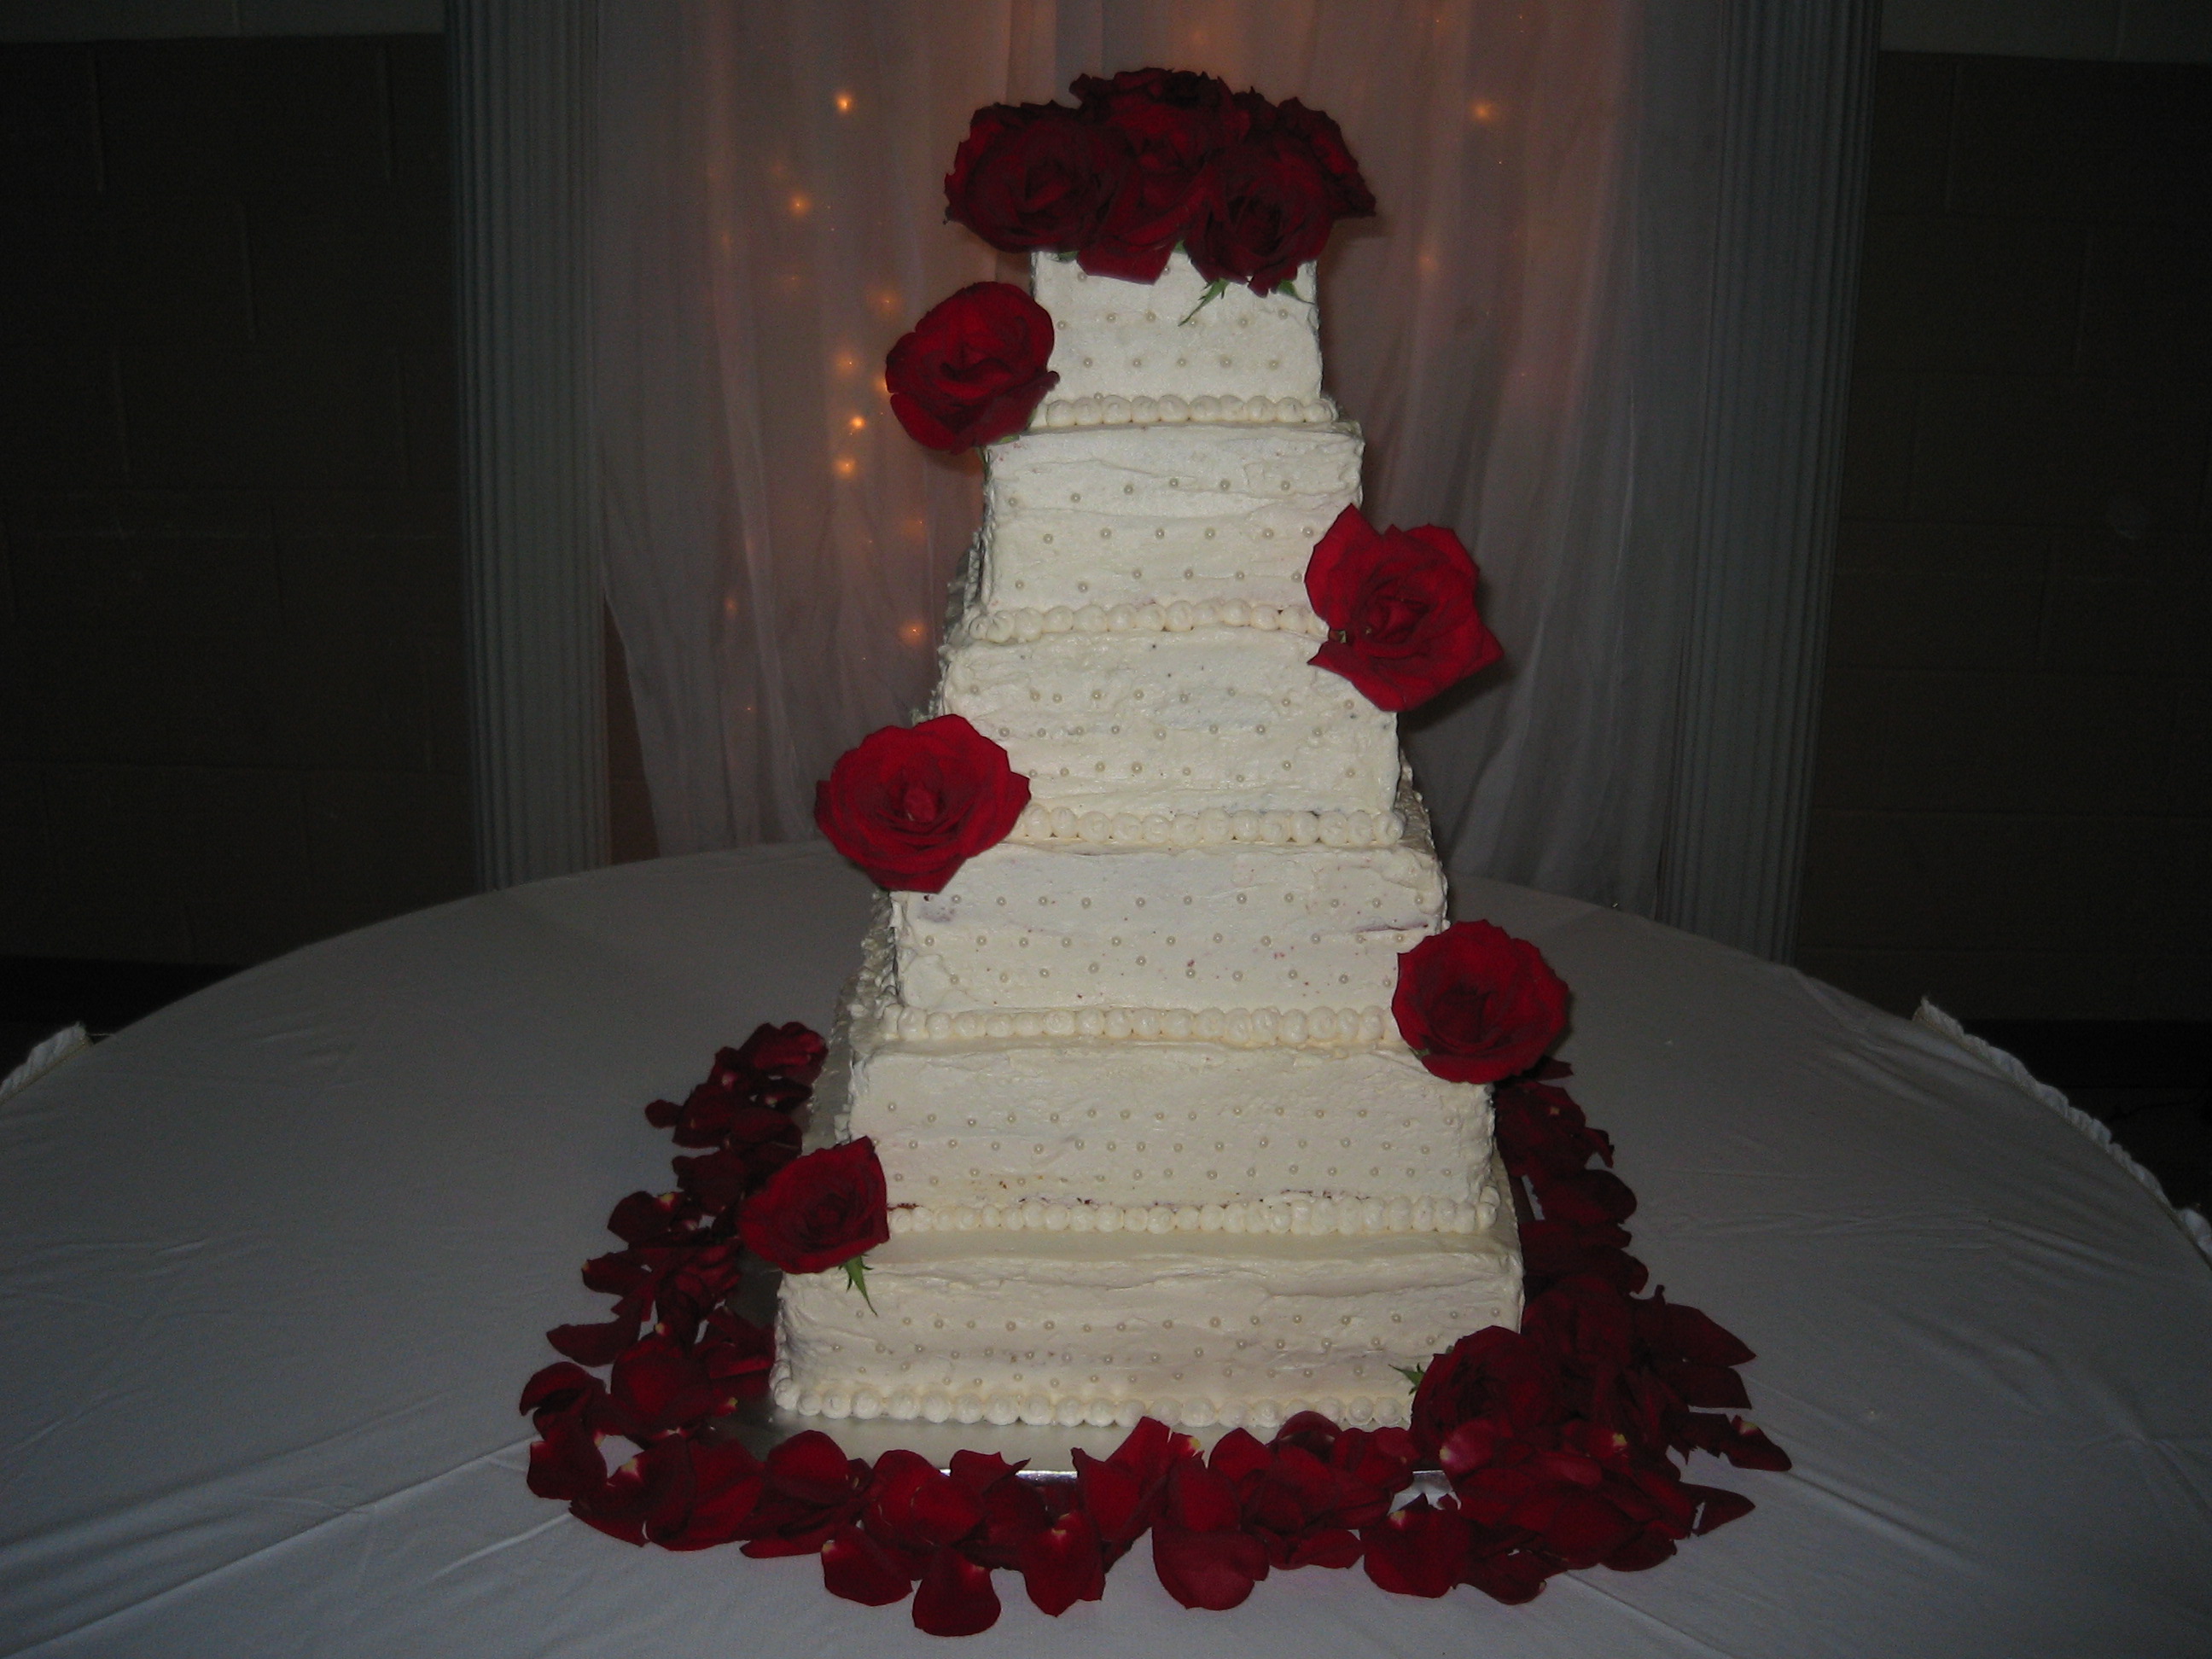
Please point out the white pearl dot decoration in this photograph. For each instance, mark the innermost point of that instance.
(1020, 624)
(1211, 827)
(1239, 1028)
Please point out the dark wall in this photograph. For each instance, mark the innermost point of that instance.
(2013, 803)
(230, 601)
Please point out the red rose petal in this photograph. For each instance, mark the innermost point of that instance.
(657, 1388)
(566, 1463)
(654, 1491)
(1418, 1550)
(1211, 1570)
(1201, 1500)
(1588, 1198)
(596, 1345)
(1061, 1564)
(955, 1597)
(1513, 1577)
(917, 1507)
(1331, 1546)
(979, 1474)
(1237, 1454)
(856, 1567)
(558, 1387)
(813, 1469)
(726, 1487)
(790, 1051)
(1718, 1506)
(1713, 1388)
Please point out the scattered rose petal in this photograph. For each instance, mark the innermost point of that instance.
(955, 1597)
(1060, 1564)
(1211, 1570)
(652, 1490)
(1419, 1550)
(857, 1568)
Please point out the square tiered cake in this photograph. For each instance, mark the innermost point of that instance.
(1151, 1140)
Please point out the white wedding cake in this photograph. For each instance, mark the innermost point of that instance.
(1152, 1141)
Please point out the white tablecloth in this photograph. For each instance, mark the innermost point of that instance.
(278, 1259)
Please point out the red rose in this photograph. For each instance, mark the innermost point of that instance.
(1035, 176)
(1477, 1004)
(1399, 607)
(973, 370)
(1324, 140)
(1270, 213)
(1191, 89)
(1496, 1374)
(824, 1209)
(1174, 124)
(910, 804)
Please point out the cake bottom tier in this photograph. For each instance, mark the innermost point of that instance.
(1193, 1330)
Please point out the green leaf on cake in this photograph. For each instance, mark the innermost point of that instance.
(1412, 1374)
(1214, 290)
(856, 1275)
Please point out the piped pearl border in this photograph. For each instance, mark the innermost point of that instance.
(1299, 1215)
(1211, 827)
(836, 1400)
(1061, 413)
(1021, 625)
(1240, 1028)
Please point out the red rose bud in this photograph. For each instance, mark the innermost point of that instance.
(973, 370)
(911, 805)
(1271, 210)
(824, 1209)
(1477, 1004)
(1399, 606)
(1035, 176)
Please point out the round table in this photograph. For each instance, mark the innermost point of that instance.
(278, 1260)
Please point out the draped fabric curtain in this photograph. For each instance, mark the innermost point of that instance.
(1521, 332)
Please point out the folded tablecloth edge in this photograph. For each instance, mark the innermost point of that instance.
(2008, 1066)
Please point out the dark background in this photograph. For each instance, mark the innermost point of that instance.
(231, 694)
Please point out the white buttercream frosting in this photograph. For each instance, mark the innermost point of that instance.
(1060, 413)
(1211, 827)
(1170, 722)
(1298, 1215)
(1190, 1121)
(1127, 516)
(1140, 937)
(1024, 624)
(1191, 1327)
(1113, 339)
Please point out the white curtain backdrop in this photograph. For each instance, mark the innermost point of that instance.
(1522, 331)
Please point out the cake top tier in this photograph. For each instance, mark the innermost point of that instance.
(1176, 337)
